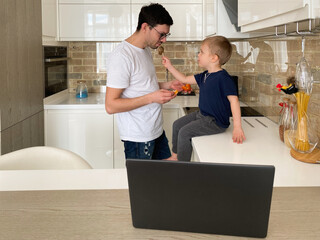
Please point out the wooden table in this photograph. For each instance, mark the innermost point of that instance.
(105, 214)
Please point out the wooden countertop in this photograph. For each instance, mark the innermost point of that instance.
(105, 214)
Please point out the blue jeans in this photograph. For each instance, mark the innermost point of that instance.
(157, 149)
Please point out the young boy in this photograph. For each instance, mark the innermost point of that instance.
(218, 96)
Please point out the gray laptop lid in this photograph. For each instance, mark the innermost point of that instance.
(228, 199)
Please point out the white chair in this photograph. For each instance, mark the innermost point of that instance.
(42, 157)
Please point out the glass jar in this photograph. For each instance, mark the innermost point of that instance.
(303, 138)
(82, 90)
(290, 122)
(283, 116)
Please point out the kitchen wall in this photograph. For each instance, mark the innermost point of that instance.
(89, 61)
(263, 63)
(260, 65)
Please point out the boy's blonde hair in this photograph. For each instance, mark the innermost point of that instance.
(220, 46)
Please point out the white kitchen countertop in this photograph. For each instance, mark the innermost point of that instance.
(263, 147)
(66, 100)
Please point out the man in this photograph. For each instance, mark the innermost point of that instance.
(133, 91)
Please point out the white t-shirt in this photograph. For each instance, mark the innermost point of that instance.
(131, 68)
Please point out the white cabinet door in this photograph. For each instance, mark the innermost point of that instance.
(210, 17)
(94, 22)
(166, 1)
(118, 154)
(88, 133)
(217, 21)
(94, 1)
(253, 11)
(49, 18)
(255, 15)
(187, 20)
(169, 116)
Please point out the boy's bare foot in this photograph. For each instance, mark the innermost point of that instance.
(174, 157)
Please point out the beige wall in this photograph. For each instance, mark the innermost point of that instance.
(270, 61)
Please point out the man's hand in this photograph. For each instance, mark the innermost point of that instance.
(176, 85)
(162, 96)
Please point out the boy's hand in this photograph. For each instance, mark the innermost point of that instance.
(177, 85)
(166, 62)
(238, 135)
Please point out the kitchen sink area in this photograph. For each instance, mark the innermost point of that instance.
(246, 111)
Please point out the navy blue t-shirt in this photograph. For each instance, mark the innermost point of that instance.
(213, 99)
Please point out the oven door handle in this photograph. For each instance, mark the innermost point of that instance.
(56, 59)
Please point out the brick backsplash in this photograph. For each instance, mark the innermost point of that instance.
(88, 61)
(260, 65)
(272, 61)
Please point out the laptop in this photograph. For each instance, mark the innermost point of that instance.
(217, 198)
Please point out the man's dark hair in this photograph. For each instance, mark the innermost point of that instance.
(154, 14)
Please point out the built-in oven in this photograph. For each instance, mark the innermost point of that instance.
(55, 69)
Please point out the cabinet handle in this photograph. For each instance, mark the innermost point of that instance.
(56, 59)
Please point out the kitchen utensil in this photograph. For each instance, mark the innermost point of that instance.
(160, 52)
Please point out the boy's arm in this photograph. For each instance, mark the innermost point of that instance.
(238, 134)
(178, 75)
(174, 84)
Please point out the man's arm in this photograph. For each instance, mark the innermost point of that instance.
(238, 134)
(115, 104)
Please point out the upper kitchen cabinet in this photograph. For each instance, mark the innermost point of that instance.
(85, 20)
(93, 1)
(221, 18)
(49, 20)
(187, 18)
(162, 2)
(256, 15)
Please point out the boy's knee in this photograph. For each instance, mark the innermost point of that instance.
(184, 134)
(176, 124)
